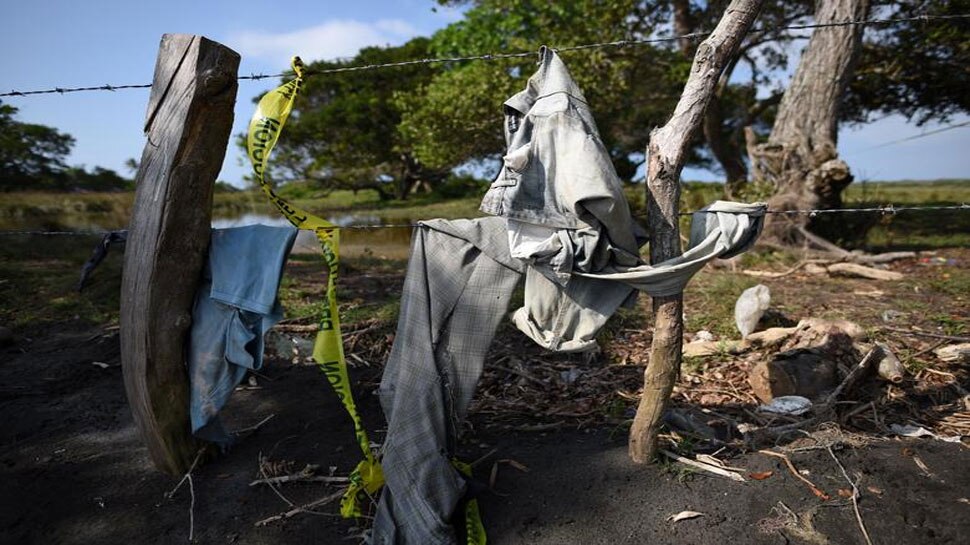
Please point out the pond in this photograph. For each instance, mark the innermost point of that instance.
(392, 242)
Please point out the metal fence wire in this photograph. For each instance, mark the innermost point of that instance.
(508, 55)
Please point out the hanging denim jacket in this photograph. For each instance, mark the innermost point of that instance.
(556, 175)
(569, 221)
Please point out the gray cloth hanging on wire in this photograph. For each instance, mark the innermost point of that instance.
(565, 224)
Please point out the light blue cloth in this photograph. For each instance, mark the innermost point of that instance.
(234, 306)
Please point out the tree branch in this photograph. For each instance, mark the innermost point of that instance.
(666, 154)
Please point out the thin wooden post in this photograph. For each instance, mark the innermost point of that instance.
(667, 152)
(188, 124)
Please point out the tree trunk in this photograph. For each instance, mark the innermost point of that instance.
(724, 148)
(800, 157)
(683, 24)
(666, 154)
(725, 151)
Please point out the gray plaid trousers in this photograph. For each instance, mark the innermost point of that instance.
(457, 289)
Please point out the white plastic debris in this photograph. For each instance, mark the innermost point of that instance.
(789, 405)
(750, 307)
(684, 515)
(704, 335)
(889, 367)
(919, 431)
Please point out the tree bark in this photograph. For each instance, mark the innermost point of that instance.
(724, 148)
(666, 154)
(800, 157)
(725, 151)
(683, 24)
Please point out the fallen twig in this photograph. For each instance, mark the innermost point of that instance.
(539, 427)
(522, 374)
(702, 466)
(860, 369)
(255, 427)
(188, 477)
(260, 461)
(791, 467)
(482, 458)
(855, 497)
(928, 334)
(794, 268)
(301, 477)
(307, 507)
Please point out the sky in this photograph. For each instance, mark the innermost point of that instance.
(61, 43)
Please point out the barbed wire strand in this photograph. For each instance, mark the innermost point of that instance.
(499, 56)
(918, 136)
(884, 210)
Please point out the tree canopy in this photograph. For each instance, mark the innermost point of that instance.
(392, 128)
(918, 69)
(344, 129)
(30, 154)
(32, 157)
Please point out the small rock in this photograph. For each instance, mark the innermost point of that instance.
(790, 405)
(892, 315)
(801, 372)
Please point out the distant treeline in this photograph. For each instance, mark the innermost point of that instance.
(32, 159)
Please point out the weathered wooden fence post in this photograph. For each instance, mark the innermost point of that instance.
(666, 153)
(188, 123)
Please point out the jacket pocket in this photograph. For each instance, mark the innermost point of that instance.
(518, 159)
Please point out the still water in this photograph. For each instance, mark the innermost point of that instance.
(386, 242)
(389, 242)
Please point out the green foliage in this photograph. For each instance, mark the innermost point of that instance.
(343, 130)
(457, 117)
(917, 69)
(30, 155)
(32, 158)
(716, 294)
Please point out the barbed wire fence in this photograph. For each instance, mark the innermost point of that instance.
(883, 210)
(507, 55)
(887, 210)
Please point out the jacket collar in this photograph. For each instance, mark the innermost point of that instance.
(551, 78)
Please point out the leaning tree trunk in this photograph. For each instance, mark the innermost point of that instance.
(800, 157)
(667, 153)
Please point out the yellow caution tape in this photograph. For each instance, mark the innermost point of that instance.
(473, 518)
(328, 351)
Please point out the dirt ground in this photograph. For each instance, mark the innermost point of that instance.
(73, 469)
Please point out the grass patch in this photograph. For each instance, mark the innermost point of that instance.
(709, 302)
(38, 278)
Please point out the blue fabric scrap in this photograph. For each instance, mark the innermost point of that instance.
(235, 305)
